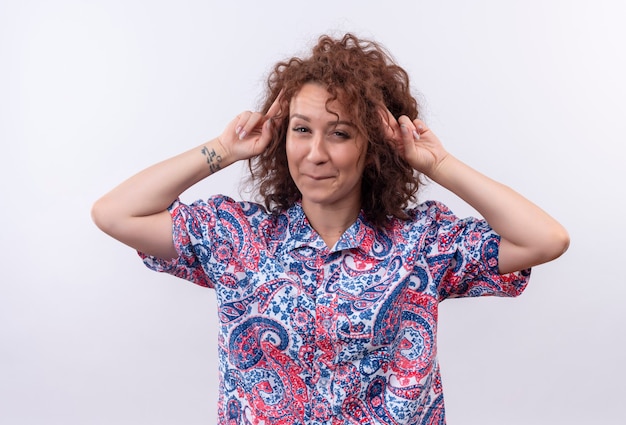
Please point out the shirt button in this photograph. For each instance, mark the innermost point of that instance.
(326, 323)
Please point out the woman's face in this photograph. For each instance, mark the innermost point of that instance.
(325, 152)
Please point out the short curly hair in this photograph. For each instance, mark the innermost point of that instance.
(359, 73)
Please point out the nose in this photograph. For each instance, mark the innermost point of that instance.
(317, 149)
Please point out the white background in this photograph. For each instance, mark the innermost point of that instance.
(530, 92)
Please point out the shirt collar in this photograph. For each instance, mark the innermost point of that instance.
(300, 233)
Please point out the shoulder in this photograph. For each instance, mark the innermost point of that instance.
(430, 210)
(432, 222)
(218, 211)
(224, 205)
(427, 214)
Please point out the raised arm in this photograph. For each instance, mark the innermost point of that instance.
(529, 236)
(135, 212)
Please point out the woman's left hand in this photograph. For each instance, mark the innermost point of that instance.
(416, 143)
(529, 236)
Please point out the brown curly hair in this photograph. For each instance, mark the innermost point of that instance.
(359, 73)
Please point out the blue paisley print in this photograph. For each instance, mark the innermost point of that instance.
(344, 335)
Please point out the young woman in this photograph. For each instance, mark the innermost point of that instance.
(328, 293)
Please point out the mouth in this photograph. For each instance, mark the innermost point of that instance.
(317, 178)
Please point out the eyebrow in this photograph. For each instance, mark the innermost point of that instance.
(307, 119)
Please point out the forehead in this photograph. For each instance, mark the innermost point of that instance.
(313, 98)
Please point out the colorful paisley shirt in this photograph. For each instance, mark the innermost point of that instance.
(312, 335)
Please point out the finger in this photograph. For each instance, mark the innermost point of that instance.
(242, 118)
(275, 108)
(262, 136)
(248, 122)
(416, 127)
(408, 135)
(420, 127)
(266, 133)
(409, 129)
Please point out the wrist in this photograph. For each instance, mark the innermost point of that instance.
(442, 169)
(215, 155)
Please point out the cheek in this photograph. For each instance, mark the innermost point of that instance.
(353, 158)
(292, 157)
(289, 150)
(295, 150)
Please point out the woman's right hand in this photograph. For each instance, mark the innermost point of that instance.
(249, 133)
(246, 136)
(135, 212)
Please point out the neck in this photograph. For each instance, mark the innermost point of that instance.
(330, 223)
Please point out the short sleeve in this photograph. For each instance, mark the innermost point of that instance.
(462, 255)
(197, 242)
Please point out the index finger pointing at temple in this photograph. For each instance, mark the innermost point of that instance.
(275, 108)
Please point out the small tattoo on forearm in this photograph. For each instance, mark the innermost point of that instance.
(212, 158)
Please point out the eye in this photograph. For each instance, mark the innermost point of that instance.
(341, 134)
(300, 129)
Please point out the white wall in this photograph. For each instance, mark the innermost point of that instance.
(529, 92)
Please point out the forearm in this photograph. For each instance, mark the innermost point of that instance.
(529, 235)
(152, 190)
(135, 212)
